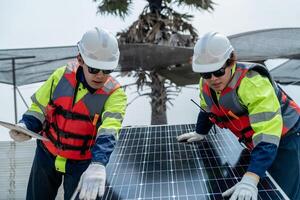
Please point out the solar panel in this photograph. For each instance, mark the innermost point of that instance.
(149, 163)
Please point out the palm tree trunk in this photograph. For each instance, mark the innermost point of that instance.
(158, 99)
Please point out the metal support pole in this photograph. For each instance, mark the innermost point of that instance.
(13, 62)
(14, 84)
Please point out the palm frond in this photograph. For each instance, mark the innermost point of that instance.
(119, 8)
(158, 28)
(198, 4)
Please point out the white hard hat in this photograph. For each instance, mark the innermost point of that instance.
(99, 49)
(211, 52)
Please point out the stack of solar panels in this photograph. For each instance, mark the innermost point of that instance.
(149, 163)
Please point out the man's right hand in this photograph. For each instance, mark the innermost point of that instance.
(190, 137)
(17, 136)
(92, 183)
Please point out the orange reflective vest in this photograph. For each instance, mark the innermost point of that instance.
(229, 113)
(72, 127)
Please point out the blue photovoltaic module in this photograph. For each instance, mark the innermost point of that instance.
(149, 163)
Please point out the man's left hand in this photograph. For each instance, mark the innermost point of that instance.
(92, 182)
(245, 189)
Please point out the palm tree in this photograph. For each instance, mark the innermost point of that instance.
(157, 24)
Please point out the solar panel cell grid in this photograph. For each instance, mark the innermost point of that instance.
(149, 163)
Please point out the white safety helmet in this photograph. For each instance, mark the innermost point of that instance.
(99, 49)
(211, 52)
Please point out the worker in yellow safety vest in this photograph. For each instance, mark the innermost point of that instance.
(80, 109)
(243, 98)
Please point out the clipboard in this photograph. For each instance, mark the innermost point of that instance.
(22, 130)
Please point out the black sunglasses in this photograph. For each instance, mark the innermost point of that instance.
(96, 71)
(217, 73)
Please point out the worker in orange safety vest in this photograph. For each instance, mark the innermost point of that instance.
(80, 109)
(244, 98)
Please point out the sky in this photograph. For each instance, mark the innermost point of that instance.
(43, 23)
(39, 23)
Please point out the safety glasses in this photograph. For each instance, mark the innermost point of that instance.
(96, 71)
(217, 73)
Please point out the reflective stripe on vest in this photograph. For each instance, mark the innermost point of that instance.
(72, 129)
(234, 116)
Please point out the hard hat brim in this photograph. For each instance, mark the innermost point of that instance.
(104, 65)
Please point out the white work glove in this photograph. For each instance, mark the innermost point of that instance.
(92, 182)
(18, 136)
(190, 137)
(245, 189)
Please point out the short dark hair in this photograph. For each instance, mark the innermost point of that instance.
(231, 59)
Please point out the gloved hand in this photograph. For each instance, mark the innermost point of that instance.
(92, 182)
(18, 136)
(245, 189)
(190, 137)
